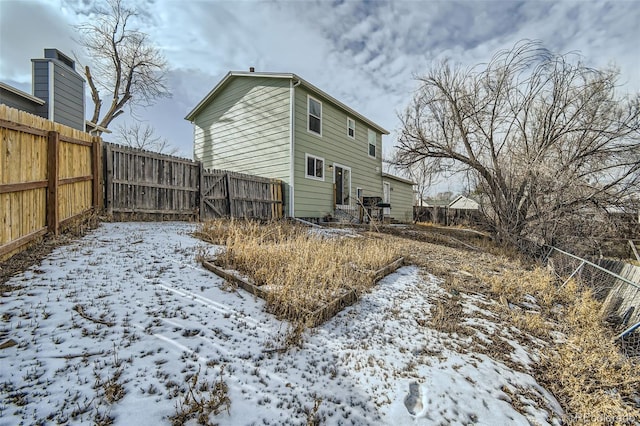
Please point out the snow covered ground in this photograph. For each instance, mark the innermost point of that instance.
(128, 310)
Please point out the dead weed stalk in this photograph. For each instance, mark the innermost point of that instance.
(201, 400)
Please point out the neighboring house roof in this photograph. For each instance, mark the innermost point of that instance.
(22, 94)
(464, 203)
(397, 178)
(232, 74)
(428, 202)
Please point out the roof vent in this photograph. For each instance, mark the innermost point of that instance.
(252, 69)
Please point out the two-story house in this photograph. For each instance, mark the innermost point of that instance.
(279, 125)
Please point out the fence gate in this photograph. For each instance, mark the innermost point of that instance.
(228, 194)
(214, 201)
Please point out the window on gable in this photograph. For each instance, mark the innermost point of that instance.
(372, 143)
(315, 167)
(351, 128)
(314, 109)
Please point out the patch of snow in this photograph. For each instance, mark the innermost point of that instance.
(371, 364)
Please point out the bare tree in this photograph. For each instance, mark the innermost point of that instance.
(127, 68)
(143, 137)
(544, 138)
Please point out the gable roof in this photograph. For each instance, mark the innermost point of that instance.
(429, 202)
(289, 76)
(464, 203)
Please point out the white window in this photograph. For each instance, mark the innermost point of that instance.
(314, 115)
(351, 128)
(315, 167)
(372, 143)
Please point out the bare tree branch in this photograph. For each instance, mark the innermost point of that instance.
(126, 64)
(546, 137)
(141, 136)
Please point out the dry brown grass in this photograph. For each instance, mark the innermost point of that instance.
(533, 323)
(302, 270)
(593, 380)
(447, 316)
(515, 284)
(588, 373)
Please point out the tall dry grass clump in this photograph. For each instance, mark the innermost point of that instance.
(302, 269)
(598, 384)
(515, 285)
(594, 381)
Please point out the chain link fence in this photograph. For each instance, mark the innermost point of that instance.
(614, 283)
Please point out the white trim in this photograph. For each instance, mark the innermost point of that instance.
(51, 90)
(386, 210)
(358, 189)
(84, 106)
(306, 167)
(33, 77)
(348, 128)
(309, 114)
(335, 166)
(375, 143)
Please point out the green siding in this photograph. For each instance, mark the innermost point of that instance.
(314, 198)
(246, 128)
(401, 200)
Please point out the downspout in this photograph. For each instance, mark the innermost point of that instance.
(292, 121)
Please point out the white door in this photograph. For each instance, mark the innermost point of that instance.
(386, 197)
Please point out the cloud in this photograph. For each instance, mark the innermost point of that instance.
(26, 29)
(365, 53)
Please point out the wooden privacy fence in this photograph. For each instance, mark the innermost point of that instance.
(229, 194)
(139, 181)
(49, 175)
(143, 182)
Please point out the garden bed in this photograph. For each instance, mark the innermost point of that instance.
(305, 275)
(312, 317)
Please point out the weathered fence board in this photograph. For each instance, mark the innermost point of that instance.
(615, 283)
(139, 181)
(229, 194)
(623, 299)
(144, 182)
(49, 174)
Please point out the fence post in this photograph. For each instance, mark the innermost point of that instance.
(201, 191)
(53, 222)
(227, 179)
(574, 273)
(283, 208)
(96, 150)
(108, 179)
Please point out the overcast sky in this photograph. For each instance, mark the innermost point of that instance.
(364, 53)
